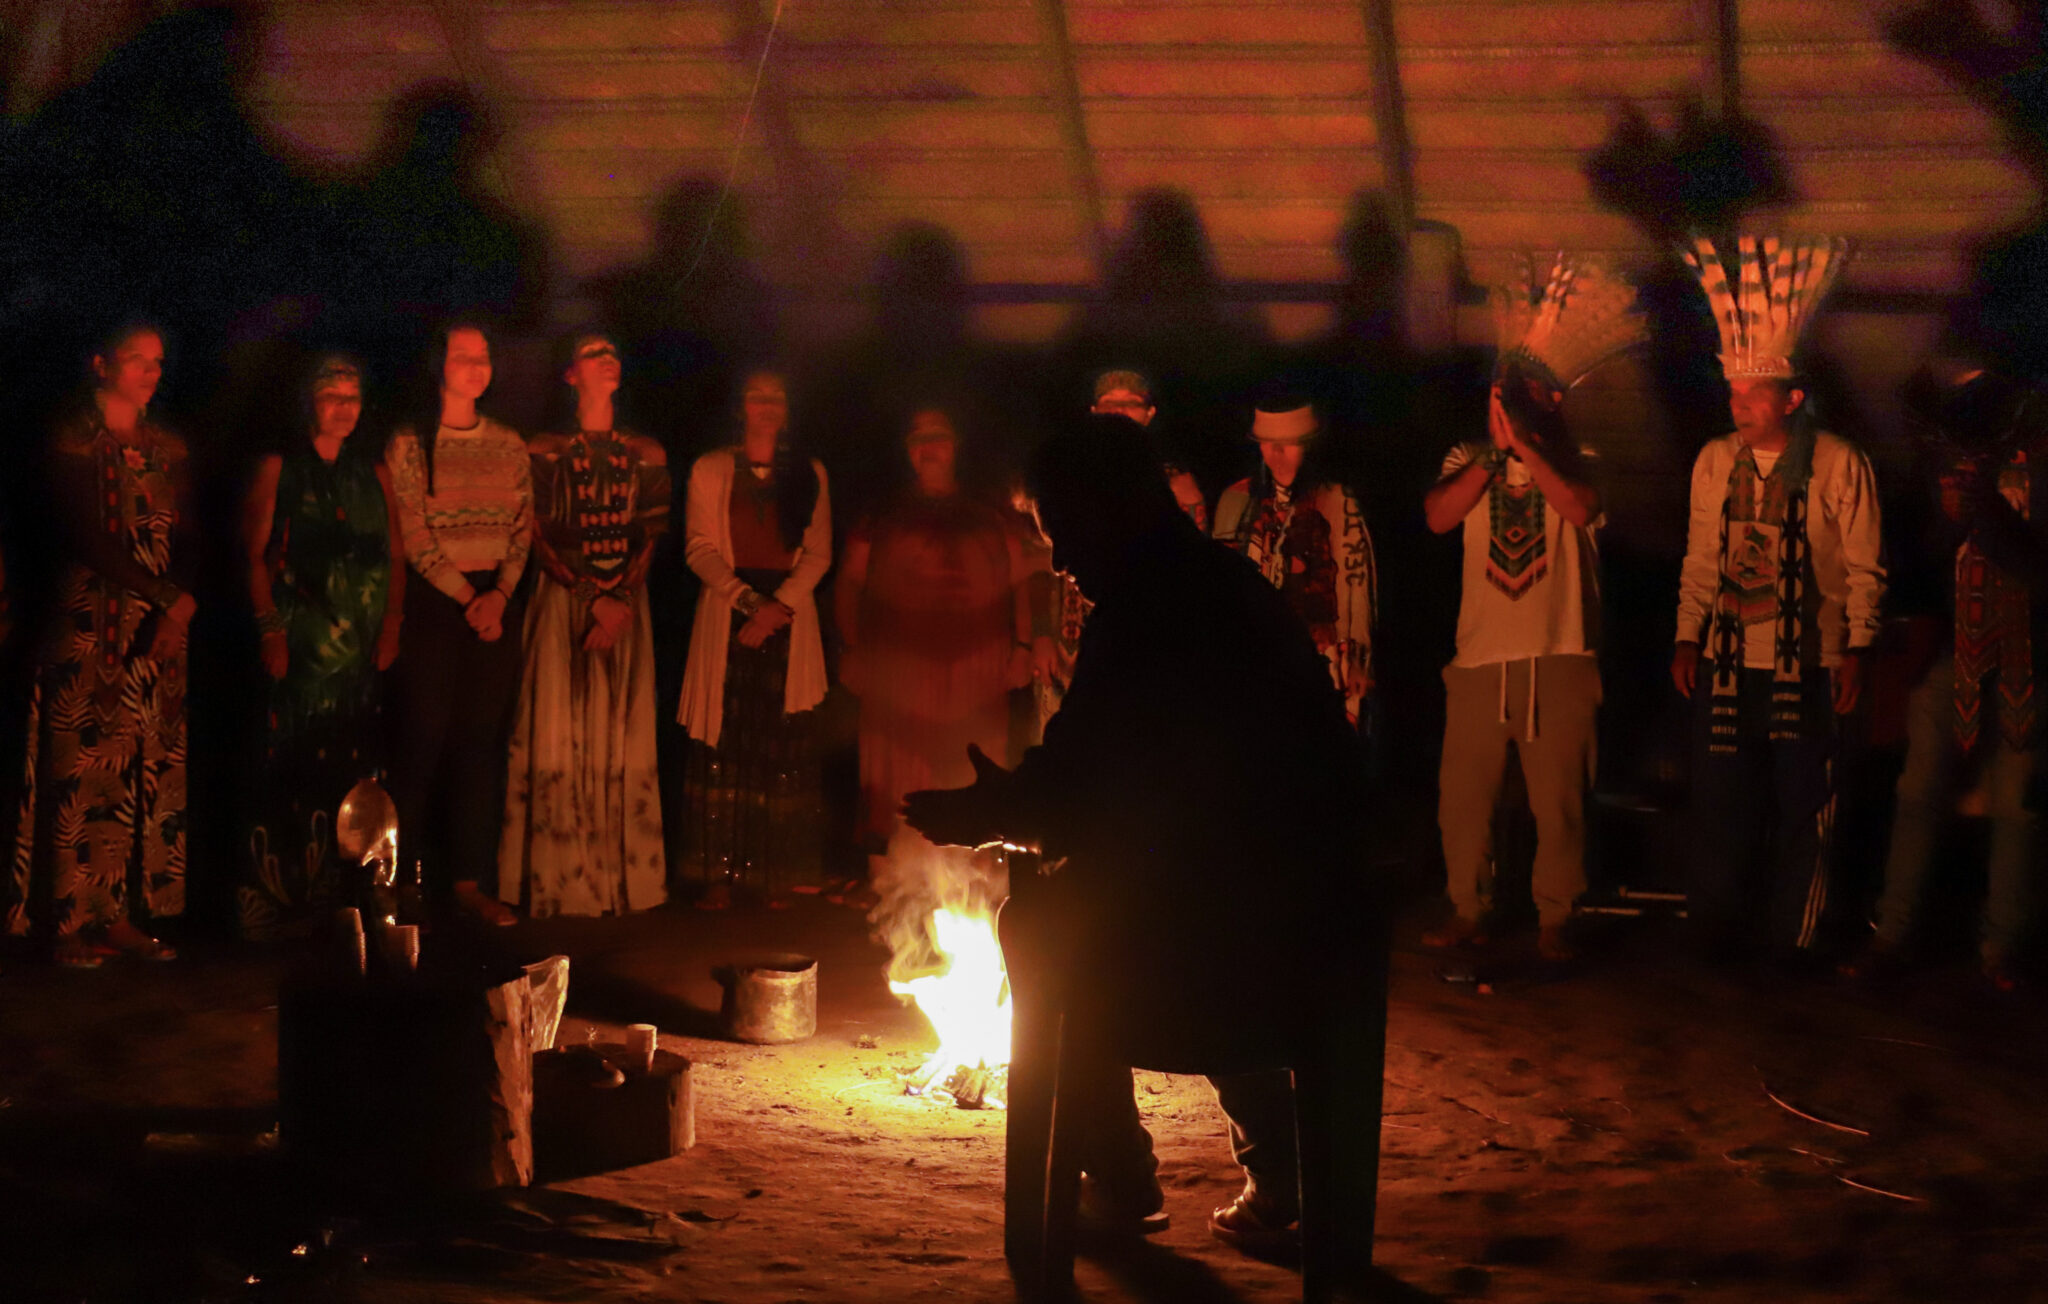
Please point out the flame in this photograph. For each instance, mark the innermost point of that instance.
(968, 1001)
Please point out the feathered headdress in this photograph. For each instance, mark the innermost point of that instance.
(1582, 316)
(1762, 315)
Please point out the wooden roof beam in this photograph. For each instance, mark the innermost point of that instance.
(1065, 80)
(1390, 111)
(1721, 58)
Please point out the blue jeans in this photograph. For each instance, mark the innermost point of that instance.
(1936, 771)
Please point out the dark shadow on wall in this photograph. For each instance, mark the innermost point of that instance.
(1165, 311)
(148, 190)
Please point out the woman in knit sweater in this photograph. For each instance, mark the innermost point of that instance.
(465, 502)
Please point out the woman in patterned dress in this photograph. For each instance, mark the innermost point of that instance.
(326, 579)
(582, 831)
(100, 850)
(758, 533)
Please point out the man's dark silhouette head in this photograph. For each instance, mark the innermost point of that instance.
(1099, 490)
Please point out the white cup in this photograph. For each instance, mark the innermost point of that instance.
(640, 1043)
(402, 947)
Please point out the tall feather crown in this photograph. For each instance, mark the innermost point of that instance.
(1565, 326)
(1763, 313)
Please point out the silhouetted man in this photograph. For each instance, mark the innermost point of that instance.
(1201, 784)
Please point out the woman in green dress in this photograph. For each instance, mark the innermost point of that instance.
(325, 579)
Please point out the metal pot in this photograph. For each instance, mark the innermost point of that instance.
(770, 1000)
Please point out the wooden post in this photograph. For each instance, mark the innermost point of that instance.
(1390, 113)
(1721, 61)
(1066, 91)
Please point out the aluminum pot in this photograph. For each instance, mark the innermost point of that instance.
(770, 1000)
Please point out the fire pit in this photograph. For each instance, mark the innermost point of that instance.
(967, 1002)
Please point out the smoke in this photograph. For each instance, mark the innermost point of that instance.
(914, 878)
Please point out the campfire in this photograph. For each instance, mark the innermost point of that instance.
(955, 977)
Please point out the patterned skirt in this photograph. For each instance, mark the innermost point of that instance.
(755, 808)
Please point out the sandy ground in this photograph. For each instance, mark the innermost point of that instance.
(1603, 1137)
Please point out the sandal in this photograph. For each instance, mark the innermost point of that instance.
(126, 939)
(77, 953)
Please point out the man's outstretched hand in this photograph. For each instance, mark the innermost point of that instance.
(962, 817)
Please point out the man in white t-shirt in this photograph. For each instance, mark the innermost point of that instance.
(1525, 674)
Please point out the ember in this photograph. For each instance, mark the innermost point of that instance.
(968, 1004)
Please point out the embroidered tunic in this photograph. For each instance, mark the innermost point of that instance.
(1318, 554)
(582, 831)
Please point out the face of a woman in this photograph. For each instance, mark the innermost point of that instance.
(594, 368)
(337, 405)
(1283, 460)
(934, 448)
(765, 405)
(133, 369)
(466, 371)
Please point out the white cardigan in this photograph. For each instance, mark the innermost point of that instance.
(707, 548)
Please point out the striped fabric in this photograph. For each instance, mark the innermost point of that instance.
(480, 515)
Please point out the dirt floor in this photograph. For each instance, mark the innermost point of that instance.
(1607, 1135)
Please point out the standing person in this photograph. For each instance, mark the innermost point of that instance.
(465, 501)
(933, 605)
(1526, 674)
(1974, 712)
(1307, 536)
(1058, 607)
(1782, 573)
(327, 582)
(1207, 881)
(99, 854)
(758, 533)
(1126, 393)
(582, 832)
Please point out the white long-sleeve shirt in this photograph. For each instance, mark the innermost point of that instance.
(1842, 536)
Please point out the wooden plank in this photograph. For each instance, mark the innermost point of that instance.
(1440, 124)
(326, 31)
(965, 124)
(1602, 73)
(1825, 69)
(706, 125)
(1230, 25)
(1193, 72)
(1236, 124)
(1811, 122)
(1813, 20)
(1551, 22)
(346, 81)
(526, 29)
(1246, 174)
(919, 75)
